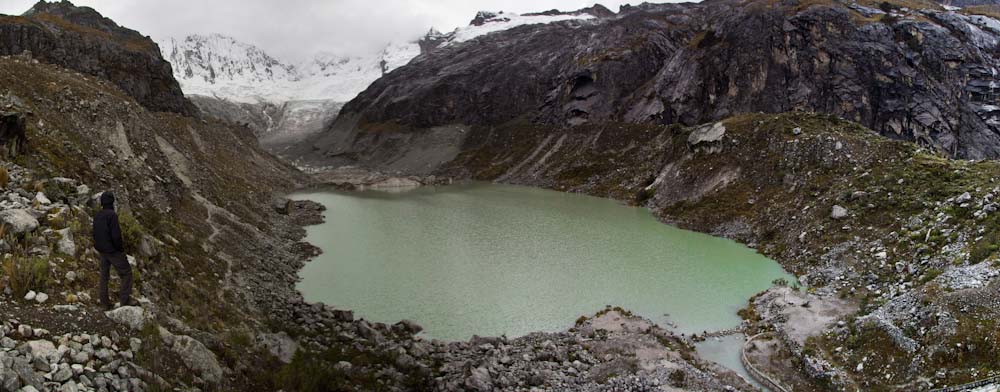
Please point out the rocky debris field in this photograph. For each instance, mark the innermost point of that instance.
(35, 360)
(611, 351)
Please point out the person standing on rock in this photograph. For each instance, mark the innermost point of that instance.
(108, 242)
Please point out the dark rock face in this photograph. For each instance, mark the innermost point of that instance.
(968, 3)
(81, 39)
(922, 75)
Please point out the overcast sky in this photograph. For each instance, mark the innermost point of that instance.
(299, 28)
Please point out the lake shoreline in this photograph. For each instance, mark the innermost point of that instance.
(562, 330)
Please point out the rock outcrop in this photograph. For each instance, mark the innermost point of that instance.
(81, 39)
(926, 75)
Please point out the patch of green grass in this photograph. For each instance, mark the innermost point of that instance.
(314, 372)
(985, 247)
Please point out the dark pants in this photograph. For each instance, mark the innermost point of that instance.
(121, 265)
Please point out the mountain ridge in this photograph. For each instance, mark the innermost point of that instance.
(922, 74)
(79, 38)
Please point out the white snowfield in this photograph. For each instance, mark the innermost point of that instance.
(504, 21)
(220, 66)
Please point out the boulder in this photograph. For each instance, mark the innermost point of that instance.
(280, 345)
(25, 330)
(42, 348)
(280, 205)
(197, 357)
(149, 246)
(838, 212)
(27, 374)
(407, 327)
(40, 198)
(479, 380)
(963, 198)
(19, 221)
(63, 374)
(65, 245)
(708, 133)
(10, 381)
(133, 316)
(69, 386)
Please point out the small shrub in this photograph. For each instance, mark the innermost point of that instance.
(26, 273)
(930, 275)
(889, 19)
(677, 378)
(58, 220)
(643, 195)
(780, 282)
(131, 229)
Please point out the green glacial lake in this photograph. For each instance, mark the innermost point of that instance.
(497, 259)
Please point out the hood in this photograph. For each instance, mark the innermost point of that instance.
(108, 200)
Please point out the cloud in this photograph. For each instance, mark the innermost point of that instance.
(299, 28)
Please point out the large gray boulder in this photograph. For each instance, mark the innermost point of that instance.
(19, 220)
(42, 348)
(134, 317)
(195, 355)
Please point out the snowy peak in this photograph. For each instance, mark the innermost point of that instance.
(217, 58)
(220, 66)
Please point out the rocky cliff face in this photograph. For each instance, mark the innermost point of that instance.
(81, 39)
(921, 74)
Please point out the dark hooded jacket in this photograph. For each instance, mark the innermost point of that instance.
(107, 232)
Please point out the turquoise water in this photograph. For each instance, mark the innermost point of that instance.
(492, 259)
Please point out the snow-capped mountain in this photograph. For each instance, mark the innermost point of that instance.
(286, 101)
(220, 66)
